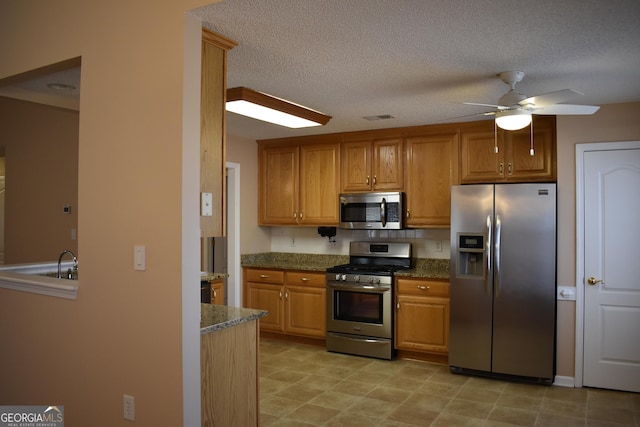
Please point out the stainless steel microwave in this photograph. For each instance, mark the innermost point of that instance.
(372, 211)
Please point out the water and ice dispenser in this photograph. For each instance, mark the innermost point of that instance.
(471, 256)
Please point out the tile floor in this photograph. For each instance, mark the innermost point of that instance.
(303, 385)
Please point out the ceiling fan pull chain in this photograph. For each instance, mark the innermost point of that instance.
(495, 137)
(531, 152)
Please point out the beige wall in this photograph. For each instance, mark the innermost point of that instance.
(124, 333)
(253, 239)
(616, 122)
(41, 148)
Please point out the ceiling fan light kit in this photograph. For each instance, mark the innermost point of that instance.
(513, 119)
(261, 106)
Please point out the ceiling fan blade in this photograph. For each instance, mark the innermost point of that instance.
(550, 98)
(499, 107)
(488, 113)
(568, 109)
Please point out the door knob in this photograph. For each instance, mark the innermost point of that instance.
(593, 281)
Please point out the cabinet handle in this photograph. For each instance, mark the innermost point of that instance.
(295, 215)
(367, 180)
(305, 279)
(408, 213)
(423, 288)
(501, 168)
(215, 294)
(398, 305)
(280, 294)
(264, 276)
(286, 295)
(509, 168)
(375, 180)
(300, 215)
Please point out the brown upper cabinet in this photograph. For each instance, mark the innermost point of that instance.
(372, 163)
(431, 170)
(299, 182)
(479, 163)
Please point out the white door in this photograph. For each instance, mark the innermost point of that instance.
(611, 273)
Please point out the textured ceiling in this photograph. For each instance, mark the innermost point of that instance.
(418, 60)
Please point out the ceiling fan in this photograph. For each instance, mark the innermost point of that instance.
(514, 109)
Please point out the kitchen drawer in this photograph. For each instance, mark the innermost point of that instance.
(306, 278)
(264, 276)
(422, 287)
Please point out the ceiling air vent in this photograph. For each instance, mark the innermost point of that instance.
(380, 117)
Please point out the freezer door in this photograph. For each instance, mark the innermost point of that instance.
(471, 276)
(525, 280)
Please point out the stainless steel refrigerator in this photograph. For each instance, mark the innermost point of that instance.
(503, 280)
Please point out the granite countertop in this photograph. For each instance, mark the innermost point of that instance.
(216, 317)
(427, 268)
(206, 276)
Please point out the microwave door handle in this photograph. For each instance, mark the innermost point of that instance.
(383, 212)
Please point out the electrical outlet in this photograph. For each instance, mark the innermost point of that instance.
(129, 407)
(438, 245)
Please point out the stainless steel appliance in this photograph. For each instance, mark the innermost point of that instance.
(503, 281)
(372, 211)
(360, 299)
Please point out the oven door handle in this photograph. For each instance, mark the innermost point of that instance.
(365, 288)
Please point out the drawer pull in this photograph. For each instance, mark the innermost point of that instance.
(305, 279)
(423, 288)
(264, 276)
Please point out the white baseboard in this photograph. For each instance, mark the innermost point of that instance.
(562, 381)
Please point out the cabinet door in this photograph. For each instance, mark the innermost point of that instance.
(278, 195)
(478, 160)
(430, 173)
(521, 166)
(422, 323)
(387, 166)
(356, 166)
(319, 184)
(305, 310)
(270, 298)
(217, 292)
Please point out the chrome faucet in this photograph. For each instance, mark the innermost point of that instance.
(75, 264)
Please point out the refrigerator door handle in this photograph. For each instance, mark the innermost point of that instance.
(487, 282)
(496, 280)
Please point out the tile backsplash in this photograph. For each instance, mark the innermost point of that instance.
(426, 243)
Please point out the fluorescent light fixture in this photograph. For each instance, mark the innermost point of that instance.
(513, 119)
(258, 105)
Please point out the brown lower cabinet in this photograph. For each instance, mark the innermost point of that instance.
(217, 291)
(295, 300)
(229, 369)
(422, 315)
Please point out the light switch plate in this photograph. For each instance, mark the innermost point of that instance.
(139, 258)
(206, 204)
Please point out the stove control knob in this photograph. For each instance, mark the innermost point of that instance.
(356, 278)
(344, 277)
(337, 276)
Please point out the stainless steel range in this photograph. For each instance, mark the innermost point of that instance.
(360, 299)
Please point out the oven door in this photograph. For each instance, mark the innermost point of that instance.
(359, 309)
